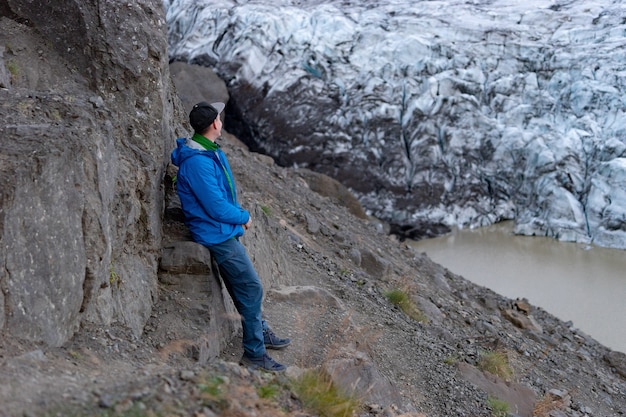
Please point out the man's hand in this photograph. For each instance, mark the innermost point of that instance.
(247, 225)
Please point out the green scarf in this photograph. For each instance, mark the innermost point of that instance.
(209, 145)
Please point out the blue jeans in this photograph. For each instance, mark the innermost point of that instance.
(244, 286)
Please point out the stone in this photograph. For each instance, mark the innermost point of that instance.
(520, 319)
(522, 304)
(373, 264)
(355, 256)
(357, 374)
(439, 280)
(308, 295)
(187, 375)
(329, 187)
(429, 309)
(196, 83)
(519, 397)
(618, 361)
(312, 224)
(185, 257)
(5, 75)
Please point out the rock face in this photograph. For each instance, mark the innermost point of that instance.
(496, 111)
(86, 114)
(187, 270)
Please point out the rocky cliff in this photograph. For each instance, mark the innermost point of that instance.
(87, 119)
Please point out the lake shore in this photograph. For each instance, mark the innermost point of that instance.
(579, 283)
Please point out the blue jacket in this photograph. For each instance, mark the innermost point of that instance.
(207, 199)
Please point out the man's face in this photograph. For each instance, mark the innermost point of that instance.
(218, 124)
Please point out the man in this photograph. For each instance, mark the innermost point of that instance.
(208, 197)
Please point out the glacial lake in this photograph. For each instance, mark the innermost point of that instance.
(579, 283)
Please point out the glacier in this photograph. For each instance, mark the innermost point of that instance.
(457, 113)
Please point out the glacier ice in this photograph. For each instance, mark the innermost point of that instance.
(451, 112)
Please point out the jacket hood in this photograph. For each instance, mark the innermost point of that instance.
(182, 152)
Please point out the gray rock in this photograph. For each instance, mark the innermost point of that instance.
(312, 224)
(355, 256)
(439, 280)
(195, 83)
(187, 375)
(308, 295)
(519, 397)
(357, 375)
(33, 357)
(5, 75)
(618, 361)
(329, 187)
(185, 257)
(373, 264)
(430, 309)
(82, 196)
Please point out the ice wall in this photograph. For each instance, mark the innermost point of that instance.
(445, 112)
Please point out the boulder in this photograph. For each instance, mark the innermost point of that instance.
(195, 83)
(520, 398)
(618, 361)
(190, 276)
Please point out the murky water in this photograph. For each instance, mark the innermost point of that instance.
(586, 285)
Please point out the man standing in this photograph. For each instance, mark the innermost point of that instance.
(208, 197)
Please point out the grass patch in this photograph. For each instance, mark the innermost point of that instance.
(321, 396)
(451, 360)
(212, 386)
(496, 363)
(114, 278)
(266, 210)
(401, 299)
(268, 391)
(499, 408)
(212, 392)
(13, 68)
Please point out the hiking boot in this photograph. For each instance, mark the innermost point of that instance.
(274, 342)
(264, 362)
